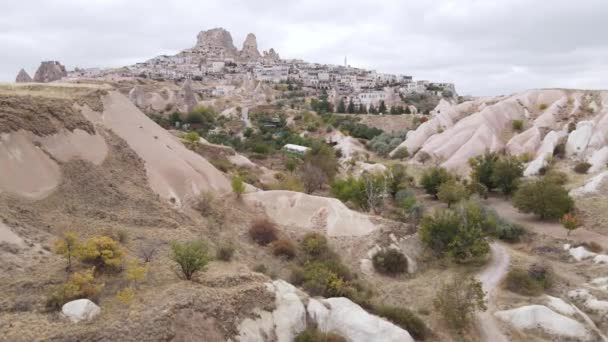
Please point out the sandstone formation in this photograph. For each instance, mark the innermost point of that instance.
(457, 132)
(541, 317)
(271, 55)
(23, 77)
(216, 40)
(250, 48)
(50, 71)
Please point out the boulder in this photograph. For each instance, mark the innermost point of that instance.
(560, 306)
(591, 186)
(23, 77)
(541, 317)
(598, 160)
(50, 71)
(80, 309)
(579, 138)
(349, 320)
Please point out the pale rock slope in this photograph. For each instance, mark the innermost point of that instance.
(532, 317)
(74, 124)
(457, 132)
(309, 212)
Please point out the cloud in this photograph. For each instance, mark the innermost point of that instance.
(485, 47)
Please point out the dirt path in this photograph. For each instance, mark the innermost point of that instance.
(490, 277)
(550, 228)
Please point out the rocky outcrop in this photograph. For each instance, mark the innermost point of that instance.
(218, 40)
(250, 48)
(50, 71)
(23, 77)
(271, 55)
(80, 310)
(533, 317)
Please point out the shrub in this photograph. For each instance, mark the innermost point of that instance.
(349, 189)
(482, 168)
(452, 192)
(405, 319)
(544, 198)
(314, 335)
(390, 261)
(384, 143)
(556, 177)
(506, 174)
(312, 177)
(192, 137)
(125, 295)
(531, 282)
(225, 252)
(593, 247)
(501, 228)
(479, 189)
(68, 247)
(582, 167)
(260, 268)
(560, 150)
(458, 301)
(263, 231)
(314, 244)
(542, 106)
(283, 247)
(190, 256)
(401, 153)
(238, 187)
(433, 178)
(570, 222)
(102, 252)
(79, 285)
(146, 251)
(438, 231)
(517, 125)
(320, 279)
(135, 272)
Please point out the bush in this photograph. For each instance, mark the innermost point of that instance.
(283, 247)
(506, 174)
(349, 189)
(263, 231)
(517, 125)
(438, 231)
(401, 153)
(225, 252)
(192, 137)
(314, 244)
(68, 246)
(452, 192)
(544, 198)
(433, 178)
(314, 335)
(79, 285)
(102, 252)
(556, 177)
(458, 301)
(593, 247)
(322, 279)
(135, 272)
(405, 319)
(390, 261)
(384, 143)
(238, 187)
(190, 256)
(531, 282)
(582, 167)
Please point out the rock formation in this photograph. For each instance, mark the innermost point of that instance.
(50, 71)
(23, 77)
(217, 41)
(250, 48)
(80, 309)
(271, 55)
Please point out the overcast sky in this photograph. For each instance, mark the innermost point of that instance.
(486, 47)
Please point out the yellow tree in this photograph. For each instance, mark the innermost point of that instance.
(67, 246)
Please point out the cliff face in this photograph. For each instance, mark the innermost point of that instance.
(216, 39)
(250, 48)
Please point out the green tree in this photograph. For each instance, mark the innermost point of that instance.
(238, 186)
(452, 192)
(544, 198)
(570, 222)
(190, 256)
(372, 109)
(506, 174)
(323, 156)
(458, 301)
(351, 107)
(175, 117)
(341, 107)
(382, 107)
(438, 231)
(433, 178)
(469, 242)
(482, 168)
(407, 110)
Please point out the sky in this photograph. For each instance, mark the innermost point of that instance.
(485, 47)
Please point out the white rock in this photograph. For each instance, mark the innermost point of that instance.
(579, 138)
(567, 246)
(560, 306)
(351, 321)
(80, 309)
(592, 186)
(589, 301)
(601, 259)
(601, 283)
(290, 314)
(541, 317)
(545, 151)
(581, 253)
(598, 160)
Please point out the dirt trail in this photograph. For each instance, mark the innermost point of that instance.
(490, 277)
(551, 228)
